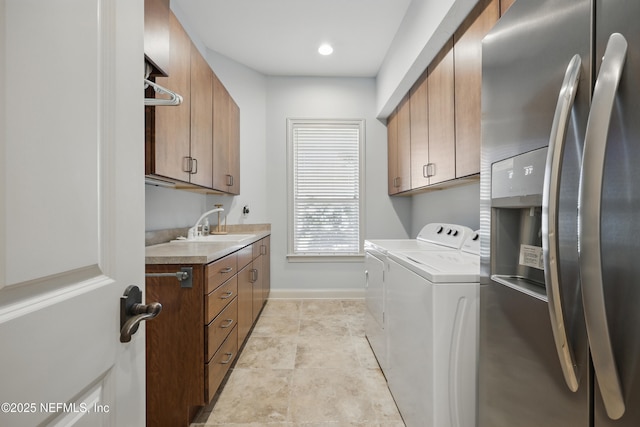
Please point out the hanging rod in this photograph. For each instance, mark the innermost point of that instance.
(184, 276)
(174, 99)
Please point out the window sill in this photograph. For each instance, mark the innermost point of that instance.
(325, 258)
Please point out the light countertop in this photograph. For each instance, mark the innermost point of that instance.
(198, 252)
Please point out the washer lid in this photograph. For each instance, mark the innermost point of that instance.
(389, 245)
(441, 267)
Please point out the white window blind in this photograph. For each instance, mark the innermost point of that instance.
(326, 187)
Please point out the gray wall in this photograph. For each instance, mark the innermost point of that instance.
(336, 98)
(457, 205)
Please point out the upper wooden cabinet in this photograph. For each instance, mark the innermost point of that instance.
(201, 153)
(437, 141)
(168, 130)
(468, 85)
(195, 145)
(442, 137)
(156, 35)
(419, 103)
(399, 147)
(226, 140)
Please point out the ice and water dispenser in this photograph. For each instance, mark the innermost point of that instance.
(516, 222)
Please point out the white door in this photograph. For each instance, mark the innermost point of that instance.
(71, 211)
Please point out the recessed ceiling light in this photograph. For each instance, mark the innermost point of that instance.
(325, 49)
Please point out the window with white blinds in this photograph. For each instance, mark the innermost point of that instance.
(325, 183)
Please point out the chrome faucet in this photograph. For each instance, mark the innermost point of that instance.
(193, 230)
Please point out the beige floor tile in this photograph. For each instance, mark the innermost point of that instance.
(282, 307)
(381, 398)
(353, 306)
(330, 395)
(254, 396)
(325, 325)
(322, 307)
(269, 353)
(356, 325)
(276, 326)
(320, 352)
(365, 355)
(307, 364)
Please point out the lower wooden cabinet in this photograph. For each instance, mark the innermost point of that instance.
(195, 340)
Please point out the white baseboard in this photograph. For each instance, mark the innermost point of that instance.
(316, 294)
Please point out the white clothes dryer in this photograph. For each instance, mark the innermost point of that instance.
(432, 320)
(432, 237)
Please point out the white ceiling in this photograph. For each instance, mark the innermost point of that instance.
(281, 37)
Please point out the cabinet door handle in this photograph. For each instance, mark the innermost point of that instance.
(187, 164)
(194, 168)
(254, 275)
(226, 270)
(226, 325)
(226, 295)
(229, 359)
(229, 180)
(396, 182)
(431, 170)
(263, 249)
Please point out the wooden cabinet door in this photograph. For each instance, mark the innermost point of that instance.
(404, 145)
(234, 147)
(266, 267)
(258, 297)
(175, 378)
(221, 136)
(442, 116)
(392, 153)
(169, 146)
(245, 303)
(468, 85)
(156, 35)
(419, 133)
(201, 148)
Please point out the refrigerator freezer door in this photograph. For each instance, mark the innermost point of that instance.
(620, 224)
(525, 58)
(589, 220)
(521, 380)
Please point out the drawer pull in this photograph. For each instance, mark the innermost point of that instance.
(228, 324)
(229, 359)
(226, 295)
(226, 270)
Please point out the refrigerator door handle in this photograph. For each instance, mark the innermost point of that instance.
(550, 200)
(589, 211)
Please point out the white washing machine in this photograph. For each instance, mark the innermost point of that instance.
(431, 316)
(432, 237)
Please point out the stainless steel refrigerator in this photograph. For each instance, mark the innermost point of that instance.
(560, 216)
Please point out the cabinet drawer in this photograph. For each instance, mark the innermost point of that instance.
(220, 271)
(245, 255)
(217, 368)
(220, 298)
(220, 327)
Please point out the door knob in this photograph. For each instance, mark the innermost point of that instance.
(132, 312)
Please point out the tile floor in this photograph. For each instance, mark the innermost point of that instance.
(307, 363)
